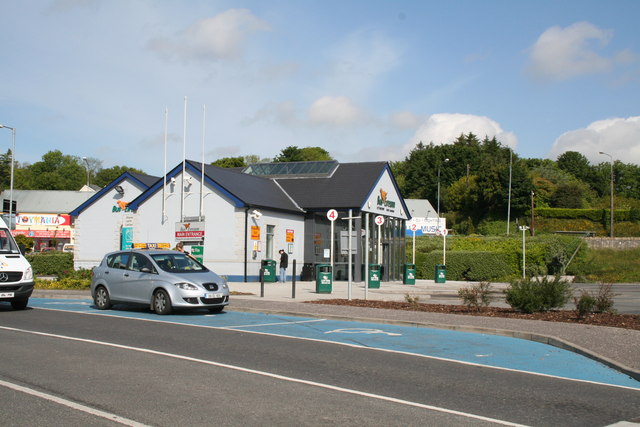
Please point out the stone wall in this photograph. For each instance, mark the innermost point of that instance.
(613, 243)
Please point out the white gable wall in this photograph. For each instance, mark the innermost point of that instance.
(97, 228)
(224, 242)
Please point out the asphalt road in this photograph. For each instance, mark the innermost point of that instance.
(123, 370)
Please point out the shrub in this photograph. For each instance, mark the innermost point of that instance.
(412, 299)
(67, 283)
(476, 296)
(602, 302)
(604, 299)
(51, 263)
(585, 304)
(24, 242)
(534, 295)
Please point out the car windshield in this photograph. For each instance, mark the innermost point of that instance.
(178, 263)
(7, 244)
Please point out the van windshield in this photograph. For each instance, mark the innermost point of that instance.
(7, 244)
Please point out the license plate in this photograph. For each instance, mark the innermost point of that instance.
(6, 294)
(210, 295)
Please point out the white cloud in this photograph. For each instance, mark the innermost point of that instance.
(618, 137)
(405, 120)
(561, 53)
(334, 110)
(444, 128)
(220, 37)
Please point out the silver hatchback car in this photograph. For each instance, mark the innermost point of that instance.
(161, 279)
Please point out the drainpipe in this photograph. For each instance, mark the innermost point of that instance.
(246, 247)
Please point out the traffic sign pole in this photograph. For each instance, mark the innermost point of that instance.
(332, 215)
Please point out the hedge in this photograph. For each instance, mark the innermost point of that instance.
(466, 265)
(590, 214)
(51, 263)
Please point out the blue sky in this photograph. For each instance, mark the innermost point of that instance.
(364, 79)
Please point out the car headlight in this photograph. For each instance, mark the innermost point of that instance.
(186, 286)
(28, 274)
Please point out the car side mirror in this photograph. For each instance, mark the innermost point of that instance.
(146, 270)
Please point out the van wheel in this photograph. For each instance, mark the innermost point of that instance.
(102, 299)
(20, 304)
(161, 302)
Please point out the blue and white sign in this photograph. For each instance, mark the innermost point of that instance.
(425, 226)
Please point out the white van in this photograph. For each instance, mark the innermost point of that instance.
(16, 274)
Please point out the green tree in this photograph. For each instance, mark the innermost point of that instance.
(569, 195)
(5, 170)
(306, 154)
(576, 164)
(55, 171)
(105, 176)
(230, 162)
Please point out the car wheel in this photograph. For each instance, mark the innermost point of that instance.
(102, 299)
(216, 309)
(20, 304)
(161, 302)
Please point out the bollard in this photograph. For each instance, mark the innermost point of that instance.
(262, 283)
(293, 281)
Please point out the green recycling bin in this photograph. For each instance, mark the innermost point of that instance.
(409, 276)
(324, 279)
(269, 268)
(374, 276)
(441, 273)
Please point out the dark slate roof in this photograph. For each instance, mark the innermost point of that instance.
(242, 189)
(142, 181)
(147, 180)
(348, 187)
(255, 191)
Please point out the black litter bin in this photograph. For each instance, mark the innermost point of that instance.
(324, 279)
(269, 268)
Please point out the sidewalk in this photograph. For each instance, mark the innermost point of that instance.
(615, 347)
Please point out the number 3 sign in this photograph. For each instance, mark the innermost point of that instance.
(379, 220)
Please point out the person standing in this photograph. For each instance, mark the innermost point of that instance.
(284, 263)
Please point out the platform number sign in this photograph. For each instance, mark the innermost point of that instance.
(379, 220)
(332, 215)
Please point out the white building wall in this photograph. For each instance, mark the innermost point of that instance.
(282, 222)
(224, 242)
(97, 228)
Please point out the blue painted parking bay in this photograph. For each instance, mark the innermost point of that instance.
(482, 349)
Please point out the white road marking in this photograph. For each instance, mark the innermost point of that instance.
(73, 405)
(275, 323)
(362, 331)
(265, 374)
(68, 303)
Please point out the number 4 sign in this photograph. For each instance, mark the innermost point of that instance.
(332, 214)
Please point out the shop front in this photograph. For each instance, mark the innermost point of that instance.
(48, 231)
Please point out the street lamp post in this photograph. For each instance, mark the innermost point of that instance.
(13, 161)
(611, 161)
(509, 193)
(86, 162)
(446, 160)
